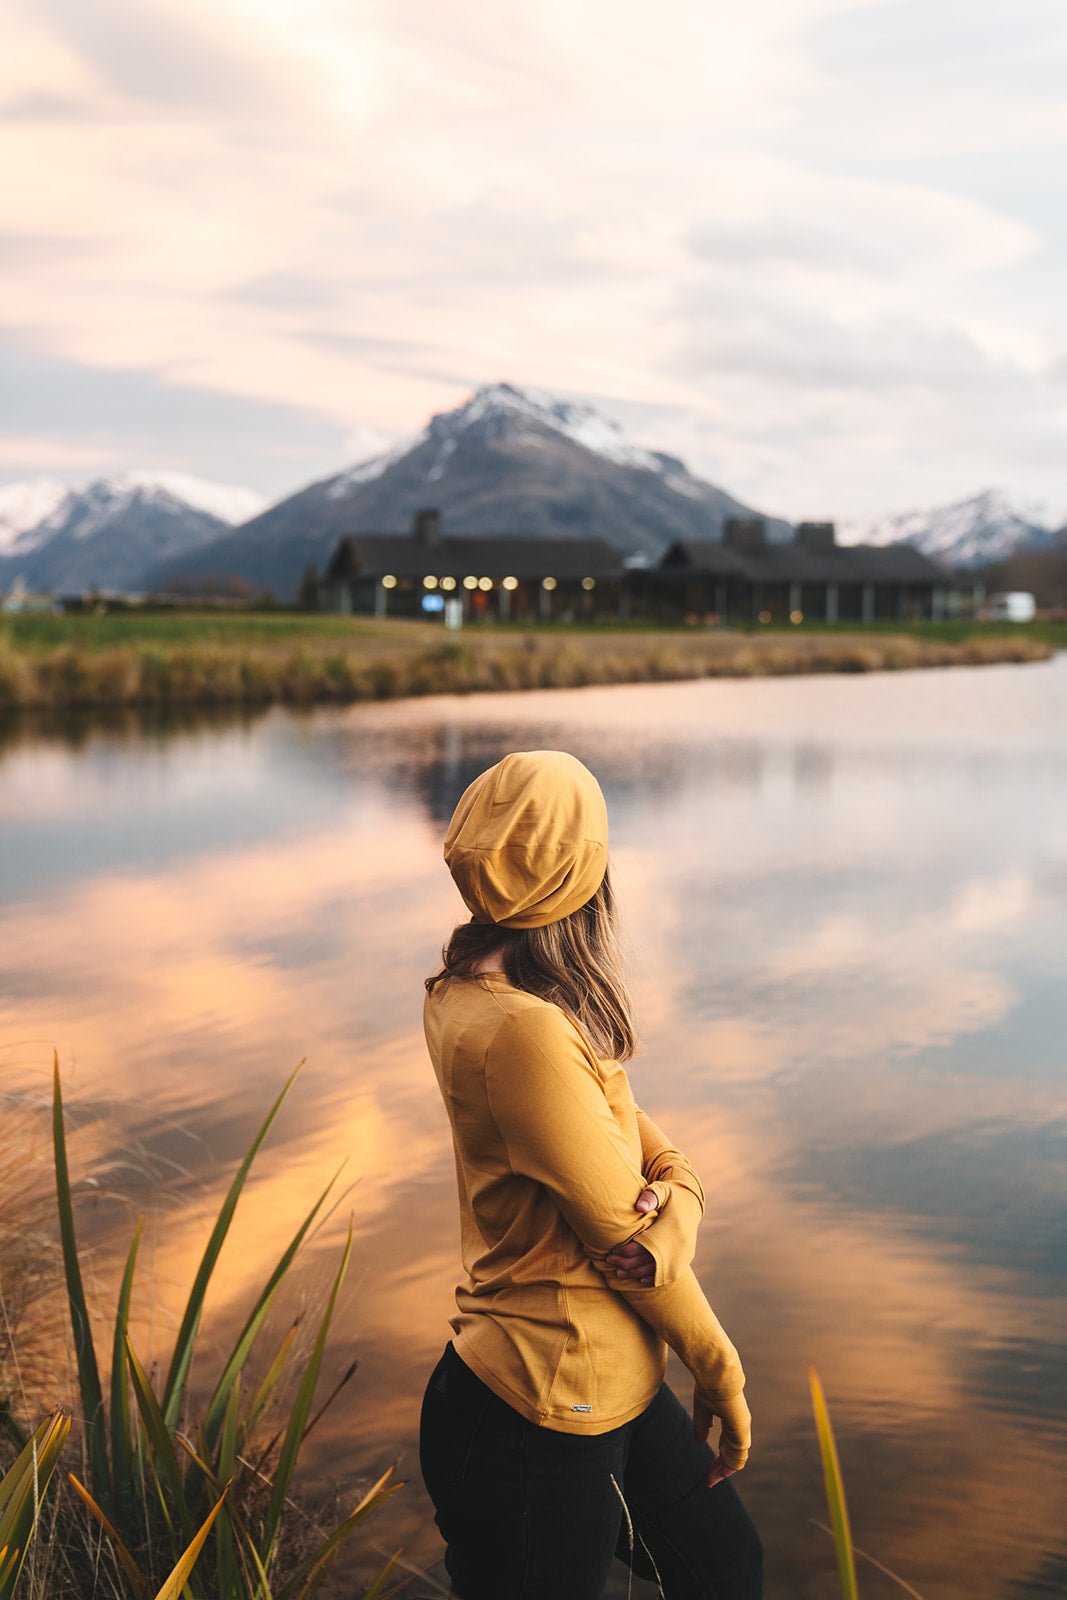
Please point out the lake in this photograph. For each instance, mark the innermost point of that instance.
(846, 905)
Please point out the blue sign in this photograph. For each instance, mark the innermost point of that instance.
(433, 602)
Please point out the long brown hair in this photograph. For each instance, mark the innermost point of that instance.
(576, 963)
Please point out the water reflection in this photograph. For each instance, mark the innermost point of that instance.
(846, 901)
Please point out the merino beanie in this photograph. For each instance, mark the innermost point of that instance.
(528, 841)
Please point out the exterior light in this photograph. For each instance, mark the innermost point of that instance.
(470, 583)
(548, 583)
(429, 583)
(796, 616)
(511, 583)
(485, 583)
(765, 616)
(389, 582)
(448, 583)
(588, 583)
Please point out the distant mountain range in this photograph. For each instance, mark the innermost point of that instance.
(975, 532)
(109, 534)
(508, 462)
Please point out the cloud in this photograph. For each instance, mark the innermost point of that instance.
(164, 57)
(38, 105)
(57, 413)
(723, 223)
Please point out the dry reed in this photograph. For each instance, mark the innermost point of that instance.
(215, 673)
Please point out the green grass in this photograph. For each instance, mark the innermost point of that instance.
(954, 632)
(90, 632)
(287, 628)
(177, 1491)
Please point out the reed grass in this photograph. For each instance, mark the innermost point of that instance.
(836, 1503)
(840, 1529)
(178, 1498)
(22, 1490)
(395, 660)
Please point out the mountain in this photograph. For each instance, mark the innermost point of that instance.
(507, 462)
(986, 528)
(23, 507)
(109, 534)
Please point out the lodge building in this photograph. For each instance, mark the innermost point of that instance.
(543, 579)
(744, 578)
(741, 577)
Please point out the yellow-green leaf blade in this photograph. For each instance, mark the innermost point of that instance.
(835, 1490)
(175, 1583)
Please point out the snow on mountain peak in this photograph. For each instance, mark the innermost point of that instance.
(503, 401)
(366, 471)
(229, 502)
(579, 423)
(981, 528)
(23, 507)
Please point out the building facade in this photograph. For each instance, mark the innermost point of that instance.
(742, 578)
(507, 579)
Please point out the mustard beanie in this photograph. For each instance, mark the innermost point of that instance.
(528, 842)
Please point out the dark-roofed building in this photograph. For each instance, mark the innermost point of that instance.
(416, 573)
(744, 578)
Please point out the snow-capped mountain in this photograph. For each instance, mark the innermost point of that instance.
(507, 462)
(23, 508)
(974, 532)
(108, 534)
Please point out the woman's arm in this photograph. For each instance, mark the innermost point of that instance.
(672, 1240)
(547, 1100)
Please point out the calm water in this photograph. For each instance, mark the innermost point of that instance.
(847, 905)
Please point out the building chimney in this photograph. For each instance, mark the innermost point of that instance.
(427, 526)
(744, 533)
(817, 535)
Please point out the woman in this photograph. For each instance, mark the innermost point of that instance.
(550, 1442)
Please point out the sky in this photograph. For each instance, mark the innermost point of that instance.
(817, 248)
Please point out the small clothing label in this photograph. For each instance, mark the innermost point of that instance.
(581, 1408)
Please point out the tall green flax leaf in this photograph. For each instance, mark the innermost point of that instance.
(162, 1456)
(298, 1417)
(88, 1372)
(121, 1458)
(183, 1571)
(174, 1388)
(247, 1336)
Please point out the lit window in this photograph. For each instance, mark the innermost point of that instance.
(588, 583)
(511, 583)
(448, 583)
(470, 583)
(429, 583)
(485, 583)
(548, 583)
(388, 582)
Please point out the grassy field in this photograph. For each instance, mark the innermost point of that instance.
(257, 658)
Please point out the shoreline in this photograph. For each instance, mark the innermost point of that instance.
(314, 665)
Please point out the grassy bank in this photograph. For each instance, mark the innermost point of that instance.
(58, 663)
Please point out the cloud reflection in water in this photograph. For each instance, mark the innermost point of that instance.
(842, 903)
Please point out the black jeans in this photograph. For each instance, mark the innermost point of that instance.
(528, 1513)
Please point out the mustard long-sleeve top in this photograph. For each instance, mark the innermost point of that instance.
(551, 1155)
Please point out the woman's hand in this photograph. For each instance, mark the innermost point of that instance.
(735, 1434)
(632, 1260)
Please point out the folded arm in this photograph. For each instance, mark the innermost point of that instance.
(672, 1240)
(548, 1102)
